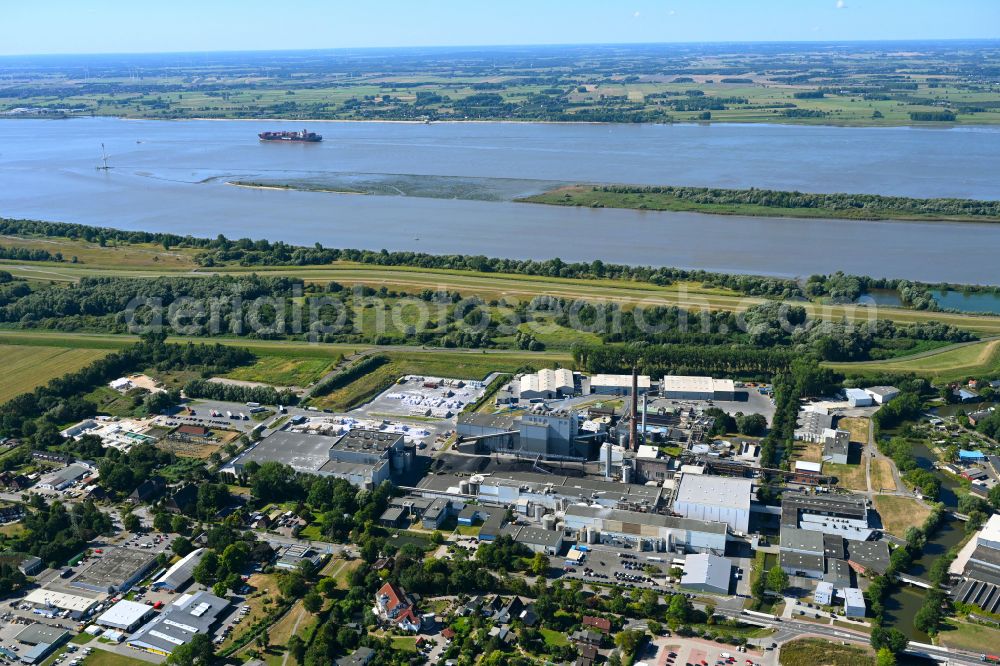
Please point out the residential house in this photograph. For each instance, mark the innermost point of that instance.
(361, 656)
(601, 624)
(587, 637)
(148, 490)
(182, 500)
(14, 482)
(587, 656)
(393, 606)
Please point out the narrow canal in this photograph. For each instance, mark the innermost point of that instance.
(902, 606)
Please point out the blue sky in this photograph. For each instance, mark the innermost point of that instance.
(108, 26)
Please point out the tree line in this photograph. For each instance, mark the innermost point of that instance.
(265, 395)
(28, 254)
(861, 203)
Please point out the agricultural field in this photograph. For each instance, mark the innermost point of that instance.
(28, 367)
(900, 513)
(281, 371)
(779, 83)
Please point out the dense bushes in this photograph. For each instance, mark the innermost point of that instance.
(904, 407)
(265, 395)
(26, 254)
(860, 203)
(349, 374)
(656, 360)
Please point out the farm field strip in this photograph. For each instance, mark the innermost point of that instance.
(28, 367)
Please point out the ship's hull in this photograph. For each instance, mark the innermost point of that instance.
(291, 140)
(291, 137)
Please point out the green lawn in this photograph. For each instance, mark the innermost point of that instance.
(950, 363)
(405, 643)
(105, 658)
(554, 638)
(968, 636)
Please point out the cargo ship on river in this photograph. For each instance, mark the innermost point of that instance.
(300, 137)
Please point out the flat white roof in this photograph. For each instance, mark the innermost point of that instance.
(648, 451)
(61, 600)
(619, 381)
(991, 532)
(125, 613)
(804, 466)
(690, 383)
(715, 491)
(854, 598)
(856, 393)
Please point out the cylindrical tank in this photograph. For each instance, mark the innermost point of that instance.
(623, 437)
(549, 521)
(539, 511)
(592, 535)
(560, 526)
(626, 474)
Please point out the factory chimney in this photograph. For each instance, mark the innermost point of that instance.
(633, 438)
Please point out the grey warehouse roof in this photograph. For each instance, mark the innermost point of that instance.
(189, 615)
(808, 541)
(707, 569)
(535, 536)
(302, 451)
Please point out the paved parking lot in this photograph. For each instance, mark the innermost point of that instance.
(604, 561)
(677, 651)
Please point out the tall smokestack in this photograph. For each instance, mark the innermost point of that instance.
(633, 437)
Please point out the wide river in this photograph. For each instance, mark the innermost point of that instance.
(171, 176)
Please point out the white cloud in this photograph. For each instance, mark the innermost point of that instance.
(841, 4)
(671, 13)
(635, 15)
